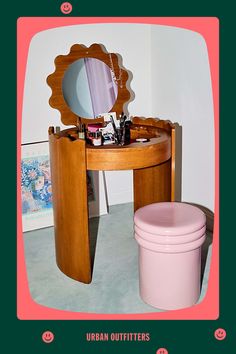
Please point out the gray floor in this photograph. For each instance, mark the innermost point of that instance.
(114, 288)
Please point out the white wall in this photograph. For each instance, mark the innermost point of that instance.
(181, 92)
(124, 39)
(170, 80)
(45, 46)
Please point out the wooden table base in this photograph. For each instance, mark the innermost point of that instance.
(153, 182)
(152, 185)
(70, 207)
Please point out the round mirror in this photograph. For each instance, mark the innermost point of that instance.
(89, 88)
(87, 82)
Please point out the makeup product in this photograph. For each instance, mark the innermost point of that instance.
(115, 130)
(127, 131)
(123, 136)
(81, 134)
(94, 127)
(78, 123)
(72, 137)
(107, 117)
(97, 139)
(108, 140)
(119, 134)
(142, 140)
(89, 137)
(123, 118)
(107, 133)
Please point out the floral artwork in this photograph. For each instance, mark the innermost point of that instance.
(36, 188)
(36, 184)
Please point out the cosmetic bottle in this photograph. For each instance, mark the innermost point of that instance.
(127, 131)
(89, 137)
(97, 139)
(81, 133)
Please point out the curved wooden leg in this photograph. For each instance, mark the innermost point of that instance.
(70, 207)
(152, 184)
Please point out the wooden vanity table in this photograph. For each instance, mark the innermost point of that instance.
(153, 165)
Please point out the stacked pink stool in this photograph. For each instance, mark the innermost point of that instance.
(170, 236)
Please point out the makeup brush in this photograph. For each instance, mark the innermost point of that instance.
(115, 130)
(122, 120)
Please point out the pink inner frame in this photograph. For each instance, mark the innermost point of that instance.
(208, 27)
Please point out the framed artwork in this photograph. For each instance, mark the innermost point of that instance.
(36, 188)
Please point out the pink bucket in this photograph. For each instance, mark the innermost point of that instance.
(170, 236)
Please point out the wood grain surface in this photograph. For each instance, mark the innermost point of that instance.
(169, 127)
(152, 185)
(154, 181)
(130, 157)
(62, 62)
(70, 207)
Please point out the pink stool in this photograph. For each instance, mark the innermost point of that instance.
(170, 236)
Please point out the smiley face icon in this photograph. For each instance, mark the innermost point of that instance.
(47, 337)
(66, 8)
(220, 334)
(162, 351)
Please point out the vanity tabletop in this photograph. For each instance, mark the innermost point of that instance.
(133, 156)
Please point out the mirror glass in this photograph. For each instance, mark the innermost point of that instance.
(89, 88)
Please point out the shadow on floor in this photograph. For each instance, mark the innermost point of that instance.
(111, 291)
(205, 249)
(93, 234)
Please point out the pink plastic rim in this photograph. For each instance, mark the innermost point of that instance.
(180, 248)
(170, 240)
(169, 218)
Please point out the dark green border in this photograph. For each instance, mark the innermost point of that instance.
(178, 336)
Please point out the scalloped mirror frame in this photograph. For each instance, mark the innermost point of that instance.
(62, 62)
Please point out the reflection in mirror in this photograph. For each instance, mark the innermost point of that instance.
(89, 88)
